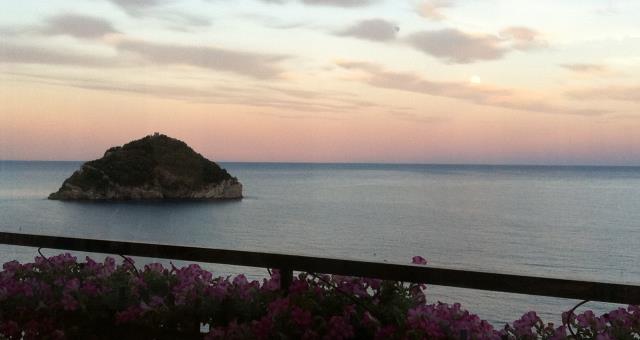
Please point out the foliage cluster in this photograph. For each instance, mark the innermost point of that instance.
(153, 158)
(61, 298)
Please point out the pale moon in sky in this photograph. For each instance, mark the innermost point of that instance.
(475, 79)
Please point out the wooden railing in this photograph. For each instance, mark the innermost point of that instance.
(510, 283)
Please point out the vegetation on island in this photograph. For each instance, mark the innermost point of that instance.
(154, 163)
(134, 164)
(61, 298)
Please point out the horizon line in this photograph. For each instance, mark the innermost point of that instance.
(370, 163)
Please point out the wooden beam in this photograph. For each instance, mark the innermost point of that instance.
(510, 283)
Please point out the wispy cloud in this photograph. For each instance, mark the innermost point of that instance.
(376, 76)
(71, 24)
(273, 21)
(295, 104)
(76, 25)
(618, 93)
(263, 66)
(178, 20)
(609, 8)
(339, 3)
(181, 21)
(523, 38)
(416, 118)
(586, 68)
(372, 29)
(136, 52)
(137, 7)
(449, 44)
(334, 3)
(455, 46)
(432, 9)
(27, 54)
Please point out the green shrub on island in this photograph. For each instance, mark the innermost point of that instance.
(61, 298)
(134, 163)
(153, 167)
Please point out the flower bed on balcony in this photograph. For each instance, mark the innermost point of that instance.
(61, 298)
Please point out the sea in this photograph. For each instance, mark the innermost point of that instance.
(572, 222)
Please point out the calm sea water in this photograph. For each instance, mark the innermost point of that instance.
(570, 222)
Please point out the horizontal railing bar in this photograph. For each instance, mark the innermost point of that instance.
(509, 283)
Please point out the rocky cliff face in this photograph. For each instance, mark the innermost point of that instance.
(154, 167)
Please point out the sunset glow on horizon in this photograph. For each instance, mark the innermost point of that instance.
(432, 81)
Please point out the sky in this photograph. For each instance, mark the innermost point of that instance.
(397, 81)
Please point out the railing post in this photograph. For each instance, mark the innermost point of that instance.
(286, 277)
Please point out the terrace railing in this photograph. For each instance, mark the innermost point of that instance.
(510, 283)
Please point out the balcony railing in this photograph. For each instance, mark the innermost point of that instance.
(510, 283)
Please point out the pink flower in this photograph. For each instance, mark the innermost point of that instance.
(89, 288)
(156, 301)
(63, 260)
(91, 265)
(69, 303)
(11, 267)
(130, 314)
(524, 326)
(298, 287)
(240, 280)
(418, 260)
(154, 267)
(57, 335)
(108, 268)
(385, 332)
(339, 328)
(301, 317)
(218, 291)
(603, 336)
(72, 285)
(271, 284)
(369, 320)
(373, 283)
(45, 295)
(262, 328)
(216, 333)
(310, 334)
(278, 306)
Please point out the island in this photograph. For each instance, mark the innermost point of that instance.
(151, 168)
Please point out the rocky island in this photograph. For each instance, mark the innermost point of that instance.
(151, 168)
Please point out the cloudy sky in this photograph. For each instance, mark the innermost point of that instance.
(432, 81)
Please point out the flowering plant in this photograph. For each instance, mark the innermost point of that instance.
(61, 298)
